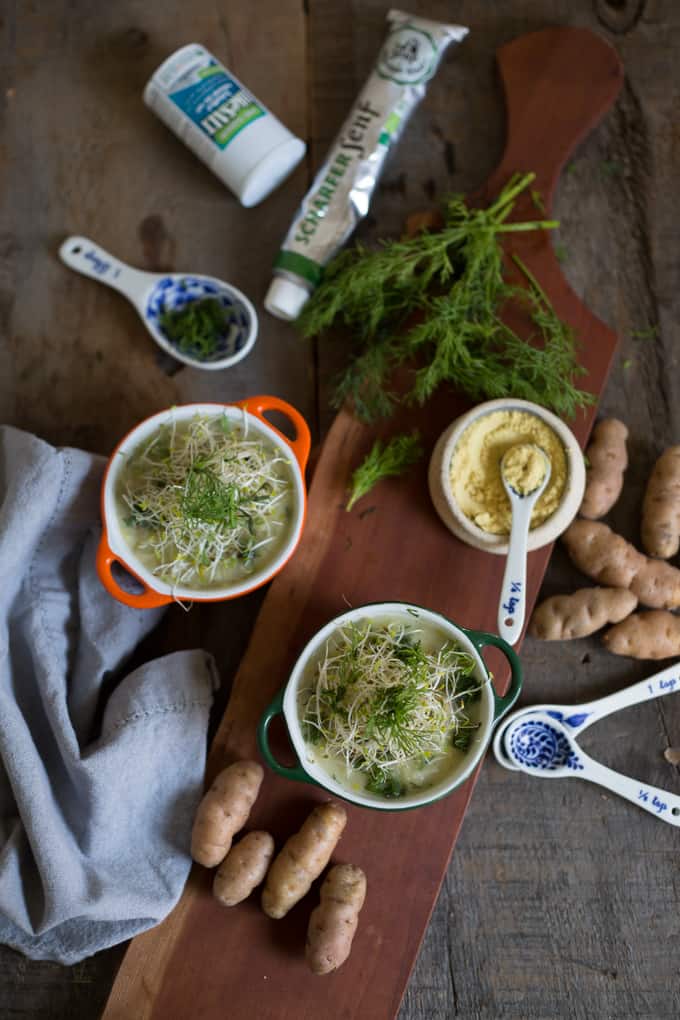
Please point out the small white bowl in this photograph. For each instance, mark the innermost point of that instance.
(493, 706)
(447, 506)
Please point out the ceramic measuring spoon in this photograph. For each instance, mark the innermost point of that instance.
(578, 717)
(513, 600)
(153, 293)
(540, 745)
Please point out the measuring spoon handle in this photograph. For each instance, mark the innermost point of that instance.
(86, 257)
(666, 681)
(660, 803)
(513, 600)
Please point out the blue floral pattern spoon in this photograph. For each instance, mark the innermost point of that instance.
(541, 740)
(152, 294)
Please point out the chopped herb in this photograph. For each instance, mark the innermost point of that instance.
(197, 327)
(627, 363)
(463, 735)
(648, 333)
(384, 461)
(561, 253)
(207, 498)
(384, 784)
(455, 279)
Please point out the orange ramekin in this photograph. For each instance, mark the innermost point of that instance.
(113, 548)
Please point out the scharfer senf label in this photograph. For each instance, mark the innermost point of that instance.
(342, 190)
(217, 104)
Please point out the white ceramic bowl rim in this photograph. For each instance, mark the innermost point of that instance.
(128, 558)
(558, 521)
(389, 611)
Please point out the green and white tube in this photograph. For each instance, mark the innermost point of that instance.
(342, 190)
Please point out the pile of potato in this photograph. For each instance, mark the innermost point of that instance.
(628, 577)
(224, 811)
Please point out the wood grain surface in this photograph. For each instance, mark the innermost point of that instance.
(399, 551)
(558, 901)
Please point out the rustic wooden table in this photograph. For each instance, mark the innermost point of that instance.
(560, 901)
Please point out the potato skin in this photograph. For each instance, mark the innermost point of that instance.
(224, 811)
(243, 868)
(607, 460)
(660, 529)
(333, 923)
(564, 617)
(652, 635)
(303, 858)
(610, 560)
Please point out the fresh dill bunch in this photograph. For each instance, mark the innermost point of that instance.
(384, 461)
(454, 280)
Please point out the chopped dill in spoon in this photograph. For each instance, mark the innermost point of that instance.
(378, 700)
(454, 279)
(204, 500)
(383, 461)
(197, 327)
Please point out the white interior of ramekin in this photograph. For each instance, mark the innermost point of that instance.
(409, 614)
(466, 529)
(128, 558)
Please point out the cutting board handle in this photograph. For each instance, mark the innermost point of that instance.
(558, 84)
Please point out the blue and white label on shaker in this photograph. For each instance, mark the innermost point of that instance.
(216, 104)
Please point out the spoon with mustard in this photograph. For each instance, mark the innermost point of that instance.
(525, 471)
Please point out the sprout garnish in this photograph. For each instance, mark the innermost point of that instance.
(205, 499)
(378, 700)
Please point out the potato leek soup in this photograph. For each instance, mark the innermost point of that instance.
(389, 708)
(206, 501)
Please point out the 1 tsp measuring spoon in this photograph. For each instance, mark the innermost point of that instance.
(512, 606)
(155, 293)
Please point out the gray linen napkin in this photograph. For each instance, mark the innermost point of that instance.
(96, 800)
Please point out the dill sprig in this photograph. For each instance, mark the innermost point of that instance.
(207, 498)
(455, 280)
(384, 461)
(378, 700)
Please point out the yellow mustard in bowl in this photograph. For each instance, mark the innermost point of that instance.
(524, 468)
(475, 468)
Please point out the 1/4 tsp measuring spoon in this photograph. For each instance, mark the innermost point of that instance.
(513, 600)
(540, 745)
(155, 293)
(575, 718)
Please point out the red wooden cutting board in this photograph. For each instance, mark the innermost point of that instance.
(210, 963)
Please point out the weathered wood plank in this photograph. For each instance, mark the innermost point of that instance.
(81, 153)
(84, 155)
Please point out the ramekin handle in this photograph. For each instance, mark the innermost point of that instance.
(295, 772)
(148, 599)
(302, 443)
